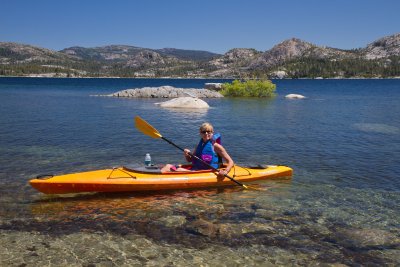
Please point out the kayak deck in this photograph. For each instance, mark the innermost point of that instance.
(125, 179)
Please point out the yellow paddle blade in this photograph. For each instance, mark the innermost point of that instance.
(146, 128)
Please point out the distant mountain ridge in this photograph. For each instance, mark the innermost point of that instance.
(296, 48)
(292, 58)
(384, 47)
(116, 52)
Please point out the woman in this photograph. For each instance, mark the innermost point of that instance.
(208, 150)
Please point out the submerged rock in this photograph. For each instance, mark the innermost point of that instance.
(377, 128)
(366, 238)
(202, 227)
(173, 220)
(184, 102)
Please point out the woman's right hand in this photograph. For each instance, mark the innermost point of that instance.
(186, 152)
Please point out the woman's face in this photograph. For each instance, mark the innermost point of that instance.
(206, 133)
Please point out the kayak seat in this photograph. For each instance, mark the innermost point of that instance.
(142, 169)
(257, 166)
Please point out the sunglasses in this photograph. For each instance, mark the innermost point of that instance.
(204, 132)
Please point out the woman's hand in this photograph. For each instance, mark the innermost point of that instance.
(186, 153)
(222, 173)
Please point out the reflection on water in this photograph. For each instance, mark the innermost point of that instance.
(183, 114)
(141, 202)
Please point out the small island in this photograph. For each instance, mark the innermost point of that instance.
(166, 92)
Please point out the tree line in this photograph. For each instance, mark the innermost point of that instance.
(347, 68)
(298, 68)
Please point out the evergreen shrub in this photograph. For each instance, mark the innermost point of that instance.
(249, 88)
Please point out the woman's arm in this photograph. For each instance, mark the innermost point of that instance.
(222, 152)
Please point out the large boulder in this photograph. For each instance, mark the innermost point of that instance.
(184, 102)
(295, 96)
(279, 74)
(213, 86)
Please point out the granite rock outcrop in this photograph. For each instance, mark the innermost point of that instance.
(185, 102)
(166, 92)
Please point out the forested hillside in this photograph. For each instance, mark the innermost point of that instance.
(291, 58)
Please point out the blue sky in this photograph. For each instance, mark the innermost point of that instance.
(211, 25)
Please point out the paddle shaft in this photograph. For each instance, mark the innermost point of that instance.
(208, 165)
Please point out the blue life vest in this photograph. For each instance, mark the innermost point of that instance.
(205, 151)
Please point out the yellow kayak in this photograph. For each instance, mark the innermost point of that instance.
(125, 179)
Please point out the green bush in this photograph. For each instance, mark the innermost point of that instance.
(249, 88)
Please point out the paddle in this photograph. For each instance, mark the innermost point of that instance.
(149, 130)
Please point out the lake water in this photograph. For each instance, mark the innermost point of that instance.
(340, 207)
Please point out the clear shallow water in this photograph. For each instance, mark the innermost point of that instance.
(341, 205)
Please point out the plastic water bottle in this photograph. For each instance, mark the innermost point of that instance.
(147, 160)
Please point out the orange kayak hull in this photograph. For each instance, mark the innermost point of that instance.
(123, 179)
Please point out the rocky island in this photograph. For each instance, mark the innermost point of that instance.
(166, 92)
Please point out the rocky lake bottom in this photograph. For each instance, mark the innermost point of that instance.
(340, 207)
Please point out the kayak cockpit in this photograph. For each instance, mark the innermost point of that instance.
(142, 169)
(157, 169)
